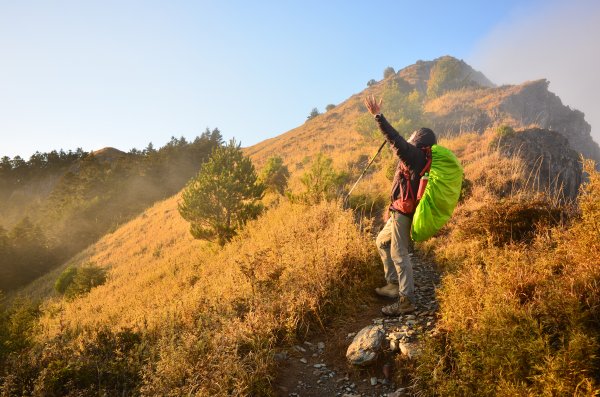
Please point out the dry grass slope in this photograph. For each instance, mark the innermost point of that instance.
(210, 318)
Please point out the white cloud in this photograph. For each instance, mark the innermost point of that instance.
(557, 40)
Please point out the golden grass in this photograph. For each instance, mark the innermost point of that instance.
(518, 310)
(209, 317)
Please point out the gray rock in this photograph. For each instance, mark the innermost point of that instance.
(408, 349)
(398, 393)
(366, 345)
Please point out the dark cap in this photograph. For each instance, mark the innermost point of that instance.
(423, 137)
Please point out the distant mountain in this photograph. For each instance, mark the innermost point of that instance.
(454, 99)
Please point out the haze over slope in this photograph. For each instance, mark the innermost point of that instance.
(445, 93)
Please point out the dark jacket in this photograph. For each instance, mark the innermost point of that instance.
(410, 155)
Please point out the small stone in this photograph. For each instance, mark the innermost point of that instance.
(409, 350)
(398, 393)
(319, 365)
(300, 349)
(307, 343)
(303, 360)
(281, 356)
(373, 381)
(321, 346)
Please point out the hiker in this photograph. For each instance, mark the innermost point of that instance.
(392, 242)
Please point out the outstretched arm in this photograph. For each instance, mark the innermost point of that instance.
(398, 143)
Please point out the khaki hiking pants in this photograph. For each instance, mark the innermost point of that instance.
(392, 243)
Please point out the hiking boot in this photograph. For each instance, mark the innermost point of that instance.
(403, 306)
(390, 290)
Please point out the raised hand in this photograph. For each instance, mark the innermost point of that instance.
(372, 105)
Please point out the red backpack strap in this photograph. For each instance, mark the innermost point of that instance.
(427, 151)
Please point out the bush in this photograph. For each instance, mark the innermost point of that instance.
(313, 113)
(329, 107)
(388, 72)
(322, 181)
(65, 279)
(96, 363)
(504, 130)
(371, 82)
(274, 176)
(74, 282)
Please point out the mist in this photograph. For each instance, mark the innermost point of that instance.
(556, 40)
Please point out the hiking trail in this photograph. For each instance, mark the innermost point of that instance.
(318, 367)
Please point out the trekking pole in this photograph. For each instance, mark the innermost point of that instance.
(365, 170)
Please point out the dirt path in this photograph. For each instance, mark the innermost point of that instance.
(318, 367)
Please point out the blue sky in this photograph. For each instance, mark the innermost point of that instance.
(125, 73)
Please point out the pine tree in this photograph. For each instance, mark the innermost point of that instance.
(223, 196)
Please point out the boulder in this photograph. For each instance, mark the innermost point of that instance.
(366, 345)
(551, 163)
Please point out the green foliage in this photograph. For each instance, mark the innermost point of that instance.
(91, 196)
(322, 181)
(74, 282)
(223, 196)
(402, 106)
(274, 176)
(96, 363)
(388, 72)
(313, 113)
(329, 107)
(65, 279)
(371, 82)
(447, 74)
(24, 254)
(504, 131)
(17, 327)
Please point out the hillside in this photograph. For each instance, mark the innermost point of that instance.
(466, 101)
(177, 316)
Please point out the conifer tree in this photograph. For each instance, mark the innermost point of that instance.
(275, 175)
(223, 196)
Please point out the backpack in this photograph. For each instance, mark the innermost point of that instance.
(440, 195)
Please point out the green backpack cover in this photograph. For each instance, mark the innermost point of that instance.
(441, 194)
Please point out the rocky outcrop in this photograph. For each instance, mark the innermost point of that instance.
(533, 104)
(521, 106)
(551, 164)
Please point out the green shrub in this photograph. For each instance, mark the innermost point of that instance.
(96, 363)
(65, 279)
(74, 281)
(388, 72)
(322, 181)
(504, 131)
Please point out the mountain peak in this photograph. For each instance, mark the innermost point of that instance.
(108, 154)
